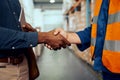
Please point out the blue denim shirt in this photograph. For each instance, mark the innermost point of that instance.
(11, 35)
(85, 37)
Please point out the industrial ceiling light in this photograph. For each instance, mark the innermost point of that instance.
(52, 1)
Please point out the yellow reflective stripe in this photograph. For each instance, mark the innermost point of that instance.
(111, 18)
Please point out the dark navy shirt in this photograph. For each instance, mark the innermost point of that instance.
(11, 35)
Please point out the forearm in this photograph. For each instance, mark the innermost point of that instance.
(73, 38)
(12, 39)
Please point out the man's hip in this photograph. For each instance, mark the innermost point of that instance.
(14, 70)
(12, 59)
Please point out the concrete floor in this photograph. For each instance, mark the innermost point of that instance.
(63, 65)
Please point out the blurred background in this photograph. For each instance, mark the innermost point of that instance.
(71, 15)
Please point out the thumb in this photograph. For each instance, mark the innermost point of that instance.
(56, 32)
(23, 25)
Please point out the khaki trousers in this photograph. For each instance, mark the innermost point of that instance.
(14, 72)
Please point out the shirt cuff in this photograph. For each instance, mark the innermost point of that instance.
(83, 44)
(32, 38)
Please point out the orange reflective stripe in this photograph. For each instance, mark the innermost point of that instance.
(94, 30)
(97, 7)
(114, 6)
(113, 31)
(111, 59)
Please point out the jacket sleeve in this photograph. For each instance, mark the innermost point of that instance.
(85, 37)
(11, 39)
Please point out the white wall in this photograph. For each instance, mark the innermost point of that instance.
(52, 19)
(28, 9)
(46, 20)
(38, 19)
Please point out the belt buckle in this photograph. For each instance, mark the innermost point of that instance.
(12, 60)
(15, 60)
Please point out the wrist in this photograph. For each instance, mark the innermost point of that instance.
(41, 37)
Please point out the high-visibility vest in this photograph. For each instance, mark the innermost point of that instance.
(111, 47)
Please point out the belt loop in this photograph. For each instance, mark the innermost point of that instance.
(9, 60)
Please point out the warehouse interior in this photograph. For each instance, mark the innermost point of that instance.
(73, 16)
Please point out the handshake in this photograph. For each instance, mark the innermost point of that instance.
(55, 39)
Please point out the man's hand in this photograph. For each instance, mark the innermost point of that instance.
(62, 32)
(58, 31)
(72, 37)
(54, 41)
(28, 28)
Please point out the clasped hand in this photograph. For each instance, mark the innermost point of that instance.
(55, 40)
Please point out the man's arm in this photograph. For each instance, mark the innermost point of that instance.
(81, 38)
(72, 37)
(17, 39)
(12, 39)
(56, 42)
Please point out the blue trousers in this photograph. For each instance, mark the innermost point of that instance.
(110, 76)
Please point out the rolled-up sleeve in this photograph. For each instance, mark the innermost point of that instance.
(11, 39)
(85, 37)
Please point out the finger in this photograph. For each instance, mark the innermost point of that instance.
(23, 26)
(29, 27)
(51, 48)
(59, 48)
(63, 44)
(26, 27)
(46, 45)
(57, 31)
(66, 42)
(56, 47)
